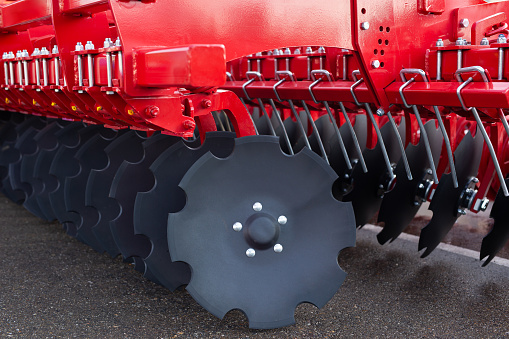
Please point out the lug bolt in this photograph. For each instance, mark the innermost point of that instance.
(206, 103)
(250, 252)
(278, 248)
(152, 111)
(237, 227)
(365, 25)
(375, 63)
(282, 220)
(257, 206)
(464, 23)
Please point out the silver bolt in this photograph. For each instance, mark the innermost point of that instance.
(278, 248)
(24, 54)
(501, 39)
(36, 52)
(380, 112)
(257, 206)
(282, 220)
(44, 51)
(107, 43)
(250, 252)
(237, 227)
(309, 50)
(117, 42)
(259, 54)
(485, 41)
(365, 25)
(297, 51)
(89, 45)
(460, 42)
(321, 50)
(440, 43)
(464, 23)
(287, 51)
(55, 49)
(375, 63)
(461, 211)
(79, 47)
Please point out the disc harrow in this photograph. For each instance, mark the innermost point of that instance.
(239, 163)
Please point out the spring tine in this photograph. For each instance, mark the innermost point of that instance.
(228, 125)
(492, 151)
(315, 131)
(380, 140)
(262, 107)
(354, 137)
(401, 146)
(448, 147)
(338, 134)
(299, 123)
(285, 134)
(424, 135)
(218, 119)
(252, 121)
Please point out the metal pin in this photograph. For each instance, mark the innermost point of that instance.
(11, 67)
(25, 67)
(90, 64)
(501, 40)
(440, 43)
(20, 71)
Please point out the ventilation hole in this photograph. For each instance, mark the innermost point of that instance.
(363, 11)
(375, 51)
(382, 64)
(379, 41)
(386, 42)
(388, 29)
(382, 52)
(381, 28)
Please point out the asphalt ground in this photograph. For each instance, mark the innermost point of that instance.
(51, 286)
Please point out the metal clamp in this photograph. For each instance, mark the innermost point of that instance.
(250, 81)
(317, 81)
(408, 82)
(357, 83)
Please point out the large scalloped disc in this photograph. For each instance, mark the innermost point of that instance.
(269, 286)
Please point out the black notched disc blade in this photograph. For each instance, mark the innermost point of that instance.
(495, 240)
(90, 156)
(126, 147)
(291, 261)
(398, 206)
(444, 203)
(48, 149)
(131, 178)
(45, 136)
(365, 197)
(151, 208)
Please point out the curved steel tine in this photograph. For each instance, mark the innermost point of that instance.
(338, 134)
(299, 123)
(228, 124)
(424, 137)
(450, 156)
(315, 131)
(285, 134)
(504, 121)
(262, 107)
(250, 116)
(401, 146)
(380, 140)
(218, 121)
(358, 148)
(492, 151)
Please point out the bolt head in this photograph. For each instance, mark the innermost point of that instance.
(501, 39)
(380, 112)
(464, 23)
(440, 43)
(188, 124)
(250, 252)
(237, 227)
(282, 220)
(309, 50)
(364, 25)
(152, 111)
(485, 41)
(375, 63)
(278, 248)
(206, 103)
(257, 206)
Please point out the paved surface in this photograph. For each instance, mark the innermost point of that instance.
(53, 286)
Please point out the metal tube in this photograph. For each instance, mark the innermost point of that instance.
(37, 72)
(6, 73)
(460, 59)
(345, 68)
(108, 70)
(380, 140)
(80, 70)
(45, 72)
(500, 63)
(401, 146)
(11, 72)
(424, 137)
(285, 134)
(439, 65)
(338, 134)
(315, 132)
(90, 62)
(57, 72)
(120, 63)
(492, 151)
(447, 147)
(354, 137)
(20, 73)
(25, 72)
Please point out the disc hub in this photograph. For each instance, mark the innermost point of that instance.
(262, 231)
